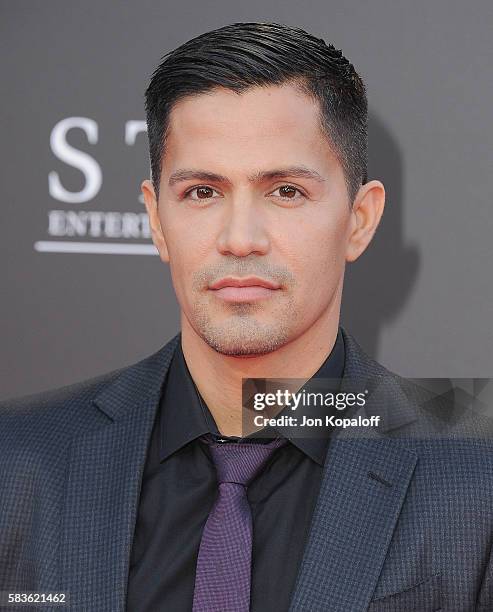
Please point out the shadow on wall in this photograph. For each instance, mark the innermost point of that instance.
(379, 283)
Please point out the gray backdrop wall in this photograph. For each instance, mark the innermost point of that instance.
(83, 291)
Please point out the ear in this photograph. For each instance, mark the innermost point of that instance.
(366, 213)
(151, 205)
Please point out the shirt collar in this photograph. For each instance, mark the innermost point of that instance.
(185, 416)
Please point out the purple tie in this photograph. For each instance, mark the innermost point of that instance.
(222, 579)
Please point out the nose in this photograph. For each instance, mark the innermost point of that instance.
(243, 232)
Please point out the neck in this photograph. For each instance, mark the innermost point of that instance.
(218, 377)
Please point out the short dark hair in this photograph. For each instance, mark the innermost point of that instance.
(244, 55)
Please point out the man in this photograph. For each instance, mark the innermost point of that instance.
(138, 489)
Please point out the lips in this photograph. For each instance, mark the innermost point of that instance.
(246, 289)
(248, 281)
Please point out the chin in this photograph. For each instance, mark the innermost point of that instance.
(244, 335)
(248, 346)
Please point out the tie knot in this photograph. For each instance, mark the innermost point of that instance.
(240, 462)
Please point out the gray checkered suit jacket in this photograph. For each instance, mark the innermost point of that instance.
(403, 520)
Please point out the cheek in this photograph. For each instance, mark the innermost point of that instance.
(316, 248)
(188, 234)
(189, 245)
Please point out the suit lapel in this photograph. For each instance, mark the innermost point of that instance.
(364, 484)
(352, 525)
(103, 484)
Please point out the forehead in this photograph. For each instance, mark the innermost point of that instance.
(259, 125)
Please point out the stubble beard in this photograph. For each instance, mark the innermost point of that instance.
(242, 334)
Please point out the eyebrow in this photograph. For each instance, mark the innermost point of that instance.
(257, 177)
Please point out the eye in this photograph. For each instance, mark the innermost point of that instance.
(288, 192)
(201, 192)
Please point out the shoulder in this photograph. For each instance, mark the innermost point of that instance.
(50, 418)
(41, 425)
(443, 420)
(444, 406)
(56, 401)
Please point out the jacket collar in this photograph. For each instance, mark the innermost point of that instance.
(136, 383)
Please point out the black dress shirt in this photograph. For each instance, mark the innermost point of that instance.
(179, 487)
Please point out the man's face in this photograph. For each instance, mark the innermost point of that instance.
(251, 193)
